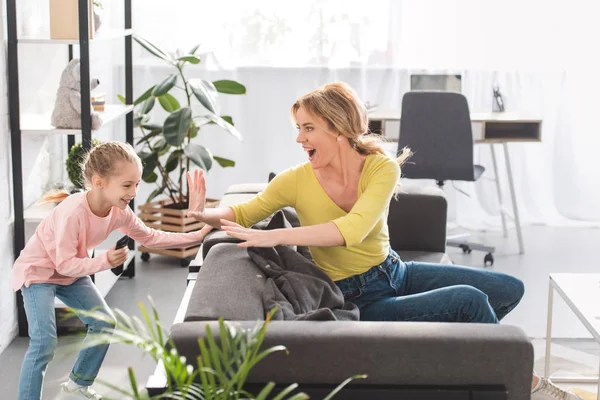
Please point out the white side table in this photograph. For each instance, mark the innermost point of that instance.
(581, 292)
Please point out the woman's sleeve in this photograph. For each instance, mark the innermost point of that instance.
(371, 205)
(279, 193)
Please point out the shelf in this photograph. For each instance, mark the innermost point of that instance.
(37, 212)
(39, 124)
(102, 36)
(105, 280)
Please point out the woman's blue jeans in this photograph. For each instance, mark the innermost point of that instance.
(415, 291)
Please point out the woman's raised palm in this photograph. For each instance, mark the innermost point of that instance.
(197, 188)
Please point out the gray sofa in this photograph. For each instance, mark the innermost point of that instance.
(409, 360)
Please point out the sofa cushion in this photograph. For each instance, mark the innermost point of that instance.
(229, 285)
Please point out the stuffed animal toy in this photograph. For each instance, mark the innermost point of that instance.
(67, 109)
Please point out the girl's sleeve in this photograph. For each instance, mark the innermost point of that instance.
(138, 231)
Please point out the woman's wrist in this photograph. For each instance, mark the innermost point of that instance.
(277, 237)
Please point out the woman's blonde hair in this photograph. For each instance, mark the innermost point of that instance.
(101, 160)
(339, 105)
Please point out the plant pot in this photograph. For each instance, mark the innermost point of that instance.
(167, 216)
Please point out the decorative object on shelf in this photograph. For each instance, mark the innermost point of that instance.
(74, 161)
(64, 19)
(169, 148)
(498, 103)
(97, 14)
(98, 101)
(67, 108)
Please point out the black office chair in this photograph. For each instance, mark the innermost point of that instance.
(436, 126)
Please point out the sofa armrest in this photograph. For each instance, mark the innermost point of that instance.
(417, 220)
(390, 353)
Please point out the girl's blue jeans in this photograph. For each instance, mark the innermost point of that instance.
(39, 307)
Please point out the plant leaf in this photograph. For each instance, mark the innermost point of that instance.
(144, 96)
(229, 87)
(176, 126)
(225, 125)
(194, 49)
(150, 177)
(194, 131)
(206, 93)
(341, 386)
(265, 391)
(156, 192)
(169, 103)
(149, 136)
(133, 382)
(173, 160)
(165, 86)
(199, 155)
(161, 147)
(287, 391)
(191, 59)
(153, 49)
(224, 162)
(121, 98)
(147, 105)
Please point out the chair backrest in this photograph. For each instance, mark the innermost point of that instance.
(437, 128)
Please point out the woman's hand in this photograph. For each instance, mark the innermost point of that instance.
(197, 199)
(251, 237)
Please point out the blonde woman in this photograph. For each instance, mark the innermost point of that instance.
(342, 196)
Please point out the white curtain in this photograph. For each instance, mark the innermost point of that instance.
(541, 53)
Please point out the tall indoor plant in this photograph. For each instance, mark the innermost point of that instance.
(168, 147)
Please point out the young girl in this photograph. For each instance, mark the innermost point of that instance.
(55, 262)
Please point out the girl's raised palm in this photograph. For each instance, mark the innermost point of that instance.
(197, 188)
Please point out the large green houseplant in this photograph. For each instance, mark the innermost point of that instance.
(225, 361)
(168, 148)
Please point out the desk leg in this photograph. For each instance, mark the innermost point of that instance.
(498, 189)
(514, 199)
(548, 331)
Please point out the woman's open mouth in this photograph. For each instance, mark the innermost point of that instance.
(311, 153)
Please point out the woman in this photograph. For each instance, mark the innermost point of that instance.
(342, 196)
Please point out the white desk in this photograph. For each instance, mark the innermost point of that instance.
(491, 128)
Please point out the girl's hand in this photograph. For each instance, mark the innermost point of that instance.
(206, 229)
(117, 257)
(197, 199)
(251, 237)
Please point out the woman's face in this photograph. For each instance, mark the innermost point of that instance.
(316, 138)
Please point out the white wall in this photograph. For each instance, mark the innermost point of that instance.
(7, 298)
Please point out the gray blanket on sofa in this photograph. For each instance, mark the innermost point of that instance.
(296, 286)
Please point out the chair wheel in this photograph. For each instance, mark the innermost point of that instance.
(145, 256)
(488, 258)
(465, 248)
(184, 262)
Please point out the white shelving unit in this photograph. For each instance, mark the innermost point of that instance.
(107, 35)
(39, 124)
(21, 124)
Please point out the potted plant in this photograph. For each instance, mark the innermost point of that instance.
(73, 164)
(225, 361)
(170, 148)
